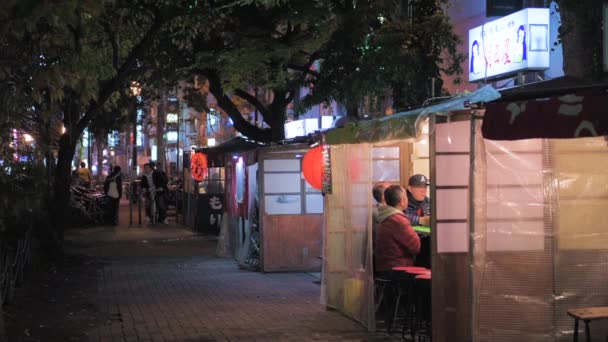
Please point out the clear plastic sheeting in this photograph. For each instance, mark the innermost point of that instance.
(540, 240)
(347, 270)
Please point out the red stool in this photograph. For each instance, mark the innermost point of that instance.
(411, 269)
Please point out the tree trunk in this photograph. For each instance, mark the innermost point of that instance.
(352, 110)
(100, 146)
(53, 240)
(581, 35)
(240, 124)
(278, 125)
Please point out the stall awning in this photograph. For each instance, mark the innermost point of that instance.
(577, 114)
(403, 125)
(237, 145)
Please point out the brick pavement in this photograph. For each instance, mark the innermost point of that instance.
(163, 283)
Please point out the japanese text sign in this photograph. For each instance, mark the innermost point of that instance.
(511, 44)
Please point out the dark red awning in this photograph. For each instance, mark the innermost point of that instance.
(582, 114)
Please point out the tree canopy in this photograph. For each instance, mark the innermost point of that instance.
(364, 48)
(71, 62)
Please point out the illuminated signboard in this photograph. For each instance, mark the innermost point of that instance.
(299, 128)
(511, 44)
(171, 118)
(171, 136)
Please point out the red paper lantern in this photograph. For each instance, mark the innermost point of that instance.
(312, 167)
(198, 166)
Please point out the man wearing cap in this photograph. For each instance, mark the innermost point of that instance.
(419, 206)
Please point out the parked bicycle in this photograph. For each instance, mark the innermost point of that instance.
(87, 205)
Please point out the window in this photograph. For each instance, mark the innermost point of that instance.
(286, 192)
(386, 164)
(214, 183)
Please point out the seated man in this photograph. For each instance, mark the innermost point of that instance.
(378, 193)
(419, 206)
(396, 241)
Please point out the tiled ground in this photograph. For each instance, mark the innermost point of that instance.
(163, 283)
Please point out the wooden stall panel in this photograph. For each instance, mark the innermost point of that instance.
(292, 243)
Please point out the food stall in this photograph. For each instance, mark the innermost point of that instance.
(537, 239)
(291, 211)
(388, 149)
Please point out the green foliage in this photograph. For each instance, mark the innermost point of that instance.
(71, 62)
(196, 99)
(380, 47)
(22, 184)
(364, 49)
(257, 41)
(581, 35)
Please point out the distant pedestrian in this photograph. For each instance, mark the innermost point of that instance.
(154, 183)
(162, 188)
(112, 187)
(84, 175)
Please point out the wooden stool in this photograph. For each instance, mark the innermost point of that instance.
(587, 315)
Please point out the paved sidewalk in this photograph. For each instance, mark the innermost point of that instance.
(163, 283)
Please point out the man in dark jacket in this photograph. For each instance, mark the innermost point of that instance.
(396, 241)
(154, 183)
(112, 187)
(419, 206)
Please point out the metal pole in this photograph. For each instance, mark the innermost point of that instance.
(134, 155)
(433, 195)
(89, 158)
(471, 301)
(131, 194)
(255, 116)
(179, 131)
(133, 159)
(139, 204)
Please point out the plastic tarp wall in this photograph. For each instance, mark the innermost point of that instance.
(347, 270)
(540, 239)
(251, 212)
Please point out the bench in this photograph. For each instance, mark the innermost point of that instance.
(587, 315)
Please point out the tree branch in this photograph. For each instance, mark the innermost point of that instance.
(77, 35)
(224, 102)
(303, 69)
(266, 115)
(112, 37)
(297, 82)
(114, 84)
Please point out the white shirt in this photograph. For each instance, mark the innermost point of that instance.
(150, 182)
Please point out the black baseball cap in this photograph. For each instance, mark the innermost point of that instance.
(418, 180)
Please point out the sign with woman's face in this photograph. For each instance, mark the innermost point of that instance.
(515, 43)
